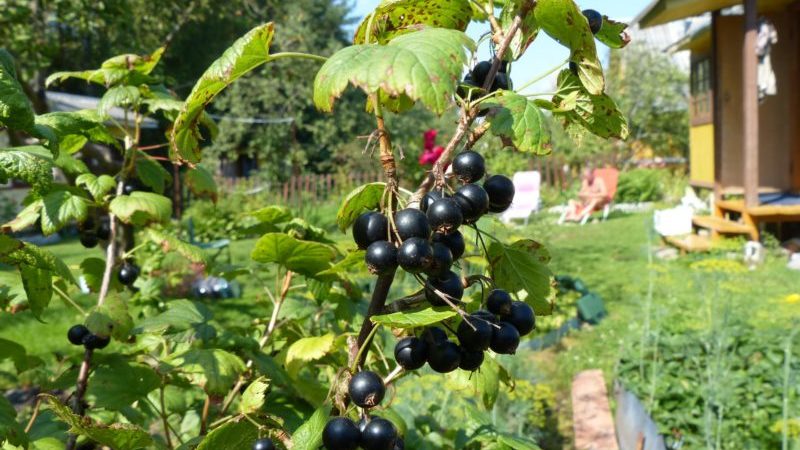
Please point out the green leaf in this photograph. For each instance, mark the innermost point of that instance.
(309, 435)
(151, 173)
(119, 436)
(425, 65)
(180, 315)
(613, 33)
(116, 384)
(483, 384)
(10, 430)
(92, 270)
(520, 123)
(201, 183)
(564, 22)
(20, 253)
(214, 370)
(525, 34)
(15, 352)
(86, 123)
(363, 198)
(61, 207)
(517, 443)
(16, 111)
(141, 208)
(393, 18)
(26, 218)
(304, 257)
(98, 186)
(118, 96)
(38, 285)
(415, 318)
(522, 266)
(272, 215)
(236, 434)
(310, 348)
(254, 396)
(598, 114)
(27, 164)
(127, 68)
(111, 319)
(247, 53)
(169, 243)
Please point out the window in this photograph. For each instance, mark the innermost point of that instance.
(701, 102)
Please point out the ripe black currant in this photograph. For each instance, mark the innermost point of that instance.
(442, 260)
(500, 190)
(444, 215)
(411, 223)
(399, 444)
(474, 202)
(88, 239)
(501, 81)
(470, 361)
(499, 302)
(76, 334)
(474, 334)
(104, 229)
(411, 352)
(469, 166)
(95, 342)
(522, 317)
(505, 339)
(480, 71)
(444, 357)
(429, 198)
(434, 336)
(485, 315)
(450, 286)
(381, 257)
(132, 186)
(595, 20)
(370, 227)
(366, 389)
(415, 255)
(454, 241)
(341, 433)
(263, 444)
(379, 434)
(128, 273)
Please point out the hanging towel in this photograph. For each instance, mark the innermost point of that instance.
(767, 37)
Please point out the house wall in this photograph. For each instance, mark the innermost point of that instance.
(701, 156)
(778, 115)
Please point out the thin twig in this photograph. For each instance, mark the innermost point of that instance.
(164, 418)
(33, 416)
(204, 417)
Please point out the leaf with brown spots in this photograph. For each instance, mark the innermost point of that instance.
(526, 33)
(519, 121)
(613, 33)
(597, 114)
(395, 17)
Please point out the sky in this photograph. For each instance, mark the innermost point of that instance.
(544, 54)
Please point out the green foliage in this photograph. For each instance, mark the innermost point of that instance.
(141, 208)
(522, 267)
(641, 185)
(415, 318)
(361, 199)
(391, 19)
(520, 123)
(16, 111)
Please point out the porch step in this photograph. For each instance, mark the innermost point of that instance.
(720, 225)
(690, 243)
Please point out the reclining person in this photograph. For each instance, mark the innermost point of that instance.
(593, 196)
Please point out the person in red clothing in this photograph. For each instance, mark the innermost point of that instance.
(431, 152)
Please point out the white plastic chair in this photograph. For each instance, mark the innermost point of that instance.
(527, 200)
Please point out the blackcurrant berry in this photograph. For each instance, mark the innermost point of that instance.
(76, 334)
(485, 315)
(429, 198)
(503, 67)
(505, 339)
(499, 302)
(449, 286)
(444, 215)
(104, 229)
(500, 190)
(415, 255)
(501, 81)
(468, 89)
(595, 20)
(399, 444)
(442, 260)
(412, 223)
(474, 334)
(263, 444)
(381, 257)
(573, 67)
(132, 186)
(370, 227)
(88, 239)
(444, 357)
(470, 361)
(88, 224)
(454, 241)
(522, 317)
(341, 433)
(433, 336)
(480, 71)
(474, 202)
(469, 166)
(95, 342)
(379, 434)
(366, 389)
(411, 353)
(128, 273)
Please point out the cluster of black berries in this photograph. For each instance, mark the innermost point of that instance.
(472, 85)
(80, 335)
(128, 273)
(366, 390)
(93, 231)
(498, 328)
(429, 240)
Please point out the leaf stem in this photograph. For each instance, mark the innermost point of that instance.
(542, 76)
(204, 416)
(34, 415)
(68, 299)
(164, 419)
(376, 305)
(354, 367)
(300, 55)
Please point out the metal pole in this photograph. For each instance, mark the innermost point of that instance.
(750, 103)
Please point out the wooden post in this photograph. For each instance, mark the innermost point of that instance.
(716, 93)
(750, 103)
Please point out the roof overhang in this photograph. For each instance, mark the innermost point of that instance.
(664, 11)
